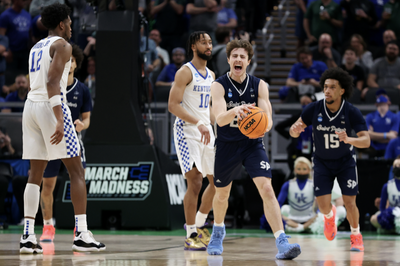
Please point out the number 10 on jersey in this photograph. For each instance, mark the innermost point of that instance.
(204, 100)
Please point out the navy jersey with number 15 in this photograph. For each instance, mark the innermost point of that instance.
(235, 97)
(326, 142)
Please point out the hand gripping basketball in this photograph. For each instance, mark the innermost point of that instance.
(255, 124)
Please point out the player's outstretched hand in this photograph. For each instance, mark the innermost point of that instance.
(205, 134)
(242, 110)
(297, 127)
(58, 134)
(342, 136)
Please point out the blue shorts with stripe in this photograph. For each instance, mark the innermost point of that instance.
(230, 157)
(53, 166)
(325, 172)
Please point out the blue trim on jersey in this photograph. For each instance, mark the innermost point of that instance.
(199, 72)
(183, 148)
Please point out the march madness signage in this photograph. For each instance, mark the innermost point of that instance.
(116, 182)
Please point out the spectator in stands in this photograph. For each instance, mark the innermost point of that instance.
(19, 95)
(226, 16)
(219, 62)
(3, 54)
(323, 16)
(36, 6)
(90, 80)
(84, 21)
(4, 4)
(360, 18)
(38, 30)
(6, 147)
(382, 126)
(15, 23)
(299, 31)
(168, 15)
(325, 53)
(364, 57)
(385, 71)
(203, 16)
(304, 76)
(390, 199)
(388, 36)
(301, 146)
(162, 53)
(391, 16)
(167, 75)
(354, 70)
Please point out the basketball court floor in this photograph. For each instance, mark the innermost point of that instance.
(241, 247)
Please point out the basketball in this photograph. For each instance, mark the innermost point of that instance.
(254, 124)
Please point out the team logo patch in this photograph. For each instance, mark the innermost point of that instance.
(116, 182)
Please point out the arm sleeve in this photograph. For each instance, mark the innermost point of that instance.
(283, 193)
(374, 68)
(293, 73)
(308, 113)
(384, 198)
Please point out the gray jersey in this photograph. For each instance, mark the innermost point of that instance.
(301, 201)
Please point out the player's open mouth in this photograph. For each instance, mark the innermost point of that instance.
(238, 67)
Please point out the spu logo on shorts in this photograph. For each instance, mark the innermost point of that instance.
(116, 181)
(351, 183)
(265, 165)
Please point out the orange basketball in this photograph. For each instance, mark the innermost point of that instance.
(254, 124)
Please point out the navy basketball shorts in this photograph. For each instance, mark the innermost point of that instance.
(231, 156)
(325, 172)
(53, 167)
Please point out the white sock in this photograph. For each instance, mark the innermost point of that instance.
(219, 225)
(329, 215)
(80, 223)
(201, 219)
(355, 231)
(278, 233)
(31, 200)
(48, 222)
(190, 229)
(31, 205)
(29, 227)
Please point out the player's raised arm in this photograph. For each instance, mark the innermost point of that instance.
(182, 77)
(297, 128)
(264, 103)
(222, 116)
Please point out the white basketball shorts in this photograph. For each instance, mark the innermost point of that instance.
(190, 150)
(38, 125)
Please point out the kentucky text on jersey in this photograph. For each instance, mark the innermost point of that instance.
(40, 45)
(201, 88)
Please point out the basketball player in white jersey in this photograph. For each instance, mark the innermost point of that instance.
(48, 130)
(189, 101)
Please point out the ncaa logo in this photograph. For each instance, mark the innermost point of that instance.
(230, 94)
(319, 119)
(196, 75)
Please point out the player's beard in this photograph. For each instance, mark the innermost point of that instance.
(204, 56)
(330, 102)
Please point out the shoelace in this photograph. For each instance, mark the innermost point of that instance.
(218, 234)
(282, 240)
(91, 235)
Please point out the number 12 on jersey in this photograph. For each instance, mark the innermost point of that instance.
(39, 57)
(204, 102)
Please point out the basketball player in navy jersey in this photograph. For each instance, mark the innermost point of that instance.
(79, 102)
(189, 101)
(233, 95)
(333, 119)
(48, 130)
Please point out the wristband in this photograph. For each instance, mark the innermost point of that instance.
(384, 135)
(55, 100)
(200, 123)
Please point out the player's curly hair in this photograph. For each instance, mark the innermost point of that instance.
(344, 79)
(78, 54)
(193, 39)
(53, 14)
(235, 44)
